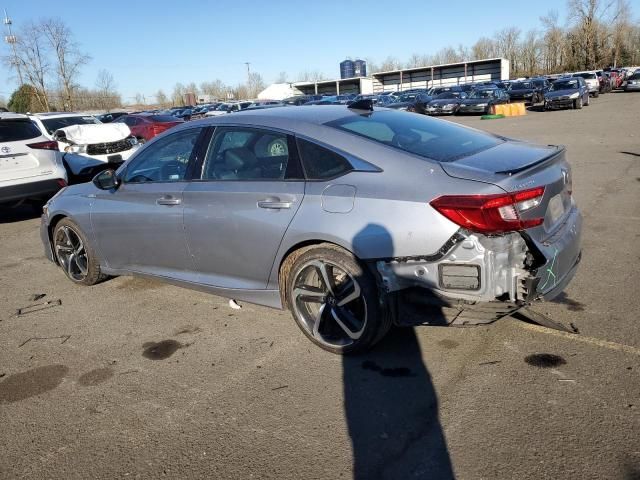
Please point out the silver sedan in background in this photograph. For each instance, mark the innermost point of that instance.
(343, 215)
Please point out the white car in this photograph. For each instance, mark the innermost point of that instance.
(88, 144)
(225, 108)
(31, 166)
(591, 78)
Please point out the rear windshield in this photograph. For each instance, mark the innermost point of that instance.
(16, 130)
(521, 85)
(162, 118)
(53, 124)
(418, 134)
(590, 76)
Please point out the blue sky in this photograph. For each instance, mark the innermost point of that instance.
(148, 45)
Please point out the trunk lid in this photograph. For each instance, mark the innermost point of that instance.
(515, 166)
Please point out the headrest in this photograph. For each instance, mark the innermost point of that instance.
(239, 158)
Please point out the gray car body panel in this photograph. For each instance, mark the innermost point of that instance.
(218, 240)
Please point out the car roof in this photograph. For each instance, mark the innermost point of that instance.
(59, 114)
(12, 116)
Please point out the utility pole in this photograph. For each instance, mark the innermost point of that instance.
(248, 69)
(11, 39)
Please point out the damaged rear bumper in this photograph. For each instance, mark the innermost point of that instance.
(483, 278)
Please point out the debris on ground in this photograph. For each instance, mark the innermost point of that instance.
(64, 338)
(37, 296)
(38, 307)
(233, 304)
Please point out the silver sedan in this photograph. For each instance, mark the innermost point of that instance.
(343, 215)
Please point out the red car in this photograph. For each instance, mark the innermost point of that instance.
(146, 127)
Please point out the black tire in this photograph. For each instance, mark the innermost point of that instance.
(341, 328)
(78, 261)
(596, 94)
(588, 102)
(577, 103)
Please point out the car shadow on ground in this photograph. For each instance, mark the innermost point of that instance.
(19, 213)
(391, 406)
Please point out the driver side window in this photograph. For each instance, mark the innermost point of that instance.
(164, 161)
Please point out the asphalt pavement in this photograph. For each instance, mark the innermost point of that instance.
(137, 379)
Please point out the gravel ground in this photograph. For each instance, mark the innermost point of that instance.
(133, 378)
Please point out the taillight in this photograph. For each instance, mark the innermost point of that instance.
(61, 183)
(491, 213)
(48, 145)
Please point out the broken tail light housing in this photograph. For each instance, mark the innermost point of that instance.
(490, 214)
(48, 145)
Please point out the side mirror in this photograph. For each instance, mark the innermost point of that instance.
(106, 180)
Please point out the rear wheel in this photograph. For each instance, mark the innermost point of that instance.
(75, 255)
(334, 299)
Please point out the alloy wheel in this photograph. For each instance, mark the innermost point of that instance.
(71, 253)
(329, 304)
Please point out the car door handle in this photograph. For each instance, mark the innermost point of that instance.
(274, 204)
(168, 201)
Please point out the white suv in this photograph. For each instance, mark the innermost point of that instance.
(88, 145)
(31, 166)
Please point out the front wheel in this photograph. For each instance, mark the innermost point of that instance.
(75, 255)
(577, 103)
(334, 299)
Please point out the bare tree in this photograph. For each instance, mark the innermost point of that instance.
(177, 97)
(107, 90)
(507, 43)
(390, 63)
(161, 98)
(255, 85)
(31, 52)
(311, 76)
(215, 89)
(282, 77)
(68, 57)
(484, 48)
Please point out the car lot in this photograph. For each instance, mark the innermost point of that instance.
(137, 378)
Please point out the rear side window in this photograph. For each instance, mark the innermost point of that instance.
(418, 134)
(321, 163)
(16, 130)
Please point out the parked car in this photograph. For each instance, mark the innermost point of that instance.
(110, 117)
(31, 167)
(569, 92)
(615, 76)
(446, 103)
(592, 82)
(528, 91)
(604, 82)
(145, 127)
(225, 108)
(482, 99)
(438, 90)
(184, 114)
(411, 102)
(633, 83)
(89, 146)
(332, 100)
(460, 217)
(301, 99)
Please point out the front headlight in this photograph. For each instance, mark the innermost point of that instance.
(574, 95)
(76, 148)
(133, 140)
(482, 104)
(449, 106)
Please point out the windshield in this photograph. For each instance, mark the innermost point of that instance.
(521, 85)
(407, 97)
(590, 76)
(635, 76)
(224, 107)
(564, 85)
(53, 124)
(418, 134)
(483, 94)
(448, 95)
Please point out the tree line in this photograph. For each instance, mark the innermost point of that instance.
(595, 34)
(48, 61)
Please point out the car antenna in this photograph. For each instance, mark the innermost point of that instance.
(364, 104)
